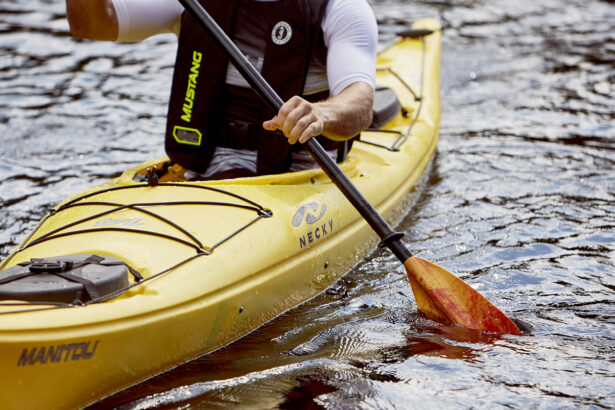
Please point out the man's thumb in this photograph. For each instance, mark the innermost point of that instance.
(271, 125)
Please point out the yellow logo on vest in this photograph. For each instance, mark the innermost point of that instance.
(189, 136)
(281, 33)
(191, 89)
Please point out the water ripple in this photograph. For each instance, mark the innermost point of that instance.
(520, 203)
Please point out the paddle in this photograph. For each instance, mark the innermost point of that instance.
(439, 294)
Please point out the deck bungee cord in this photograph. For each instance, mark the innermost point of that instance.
(193, 242)
(402, 137)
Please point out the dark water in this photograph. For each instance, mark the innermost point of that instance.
(520, 203)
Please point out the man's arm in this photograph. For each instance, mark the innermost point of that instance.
(339, 118)
(92, 19)
(351, 34)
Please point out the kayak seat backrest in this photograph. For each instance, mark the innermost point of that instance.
(386, 106)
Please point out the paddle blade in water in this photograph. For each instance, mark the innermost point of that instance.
(442, 295)
(425, 304)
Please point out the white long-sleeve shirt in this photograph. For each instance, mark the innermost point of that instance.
(350, 34)
(349, 27)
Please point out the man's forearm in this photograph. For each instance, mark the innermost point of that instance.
(349, 112)
(92, 19)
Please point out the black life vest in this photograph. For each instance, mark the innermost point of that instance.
(205, 112)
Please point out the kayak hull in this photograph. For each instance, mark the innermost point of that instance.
(236, 254)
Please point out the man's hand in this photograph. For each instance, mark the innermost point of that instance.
(338, 118)
(298, 119)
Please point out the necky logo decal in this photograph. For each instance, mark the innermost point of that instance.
(310, 218)
(310, 214)
(281, 33)
(316, 233)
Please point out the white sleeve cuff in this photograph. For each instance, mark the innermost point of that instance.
(140, 19)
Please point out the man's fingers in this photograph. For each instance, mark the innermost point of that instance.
(297, 120)
(272, 124)
(299, 116)
(312, 130)
(305, 128)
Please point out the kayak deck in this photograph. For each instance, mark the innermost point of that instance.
(214, 259)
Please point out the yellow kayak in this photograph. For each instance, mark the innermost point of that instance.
(147, 271)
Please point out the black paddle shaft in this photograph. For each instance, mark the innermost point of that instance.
(389, 238)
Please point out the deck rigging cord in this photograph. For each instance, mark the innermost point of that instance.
(192, 241)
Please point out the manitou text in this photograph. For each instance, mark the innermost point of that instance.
(59, 353)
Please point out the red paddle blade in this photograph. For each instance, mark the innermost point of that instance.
(443, 296)
(425, 304)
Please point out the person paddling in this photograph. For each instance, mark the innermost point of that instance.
(318, 55)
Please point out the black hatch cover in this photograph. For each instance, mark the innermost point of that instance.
(64, 279)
